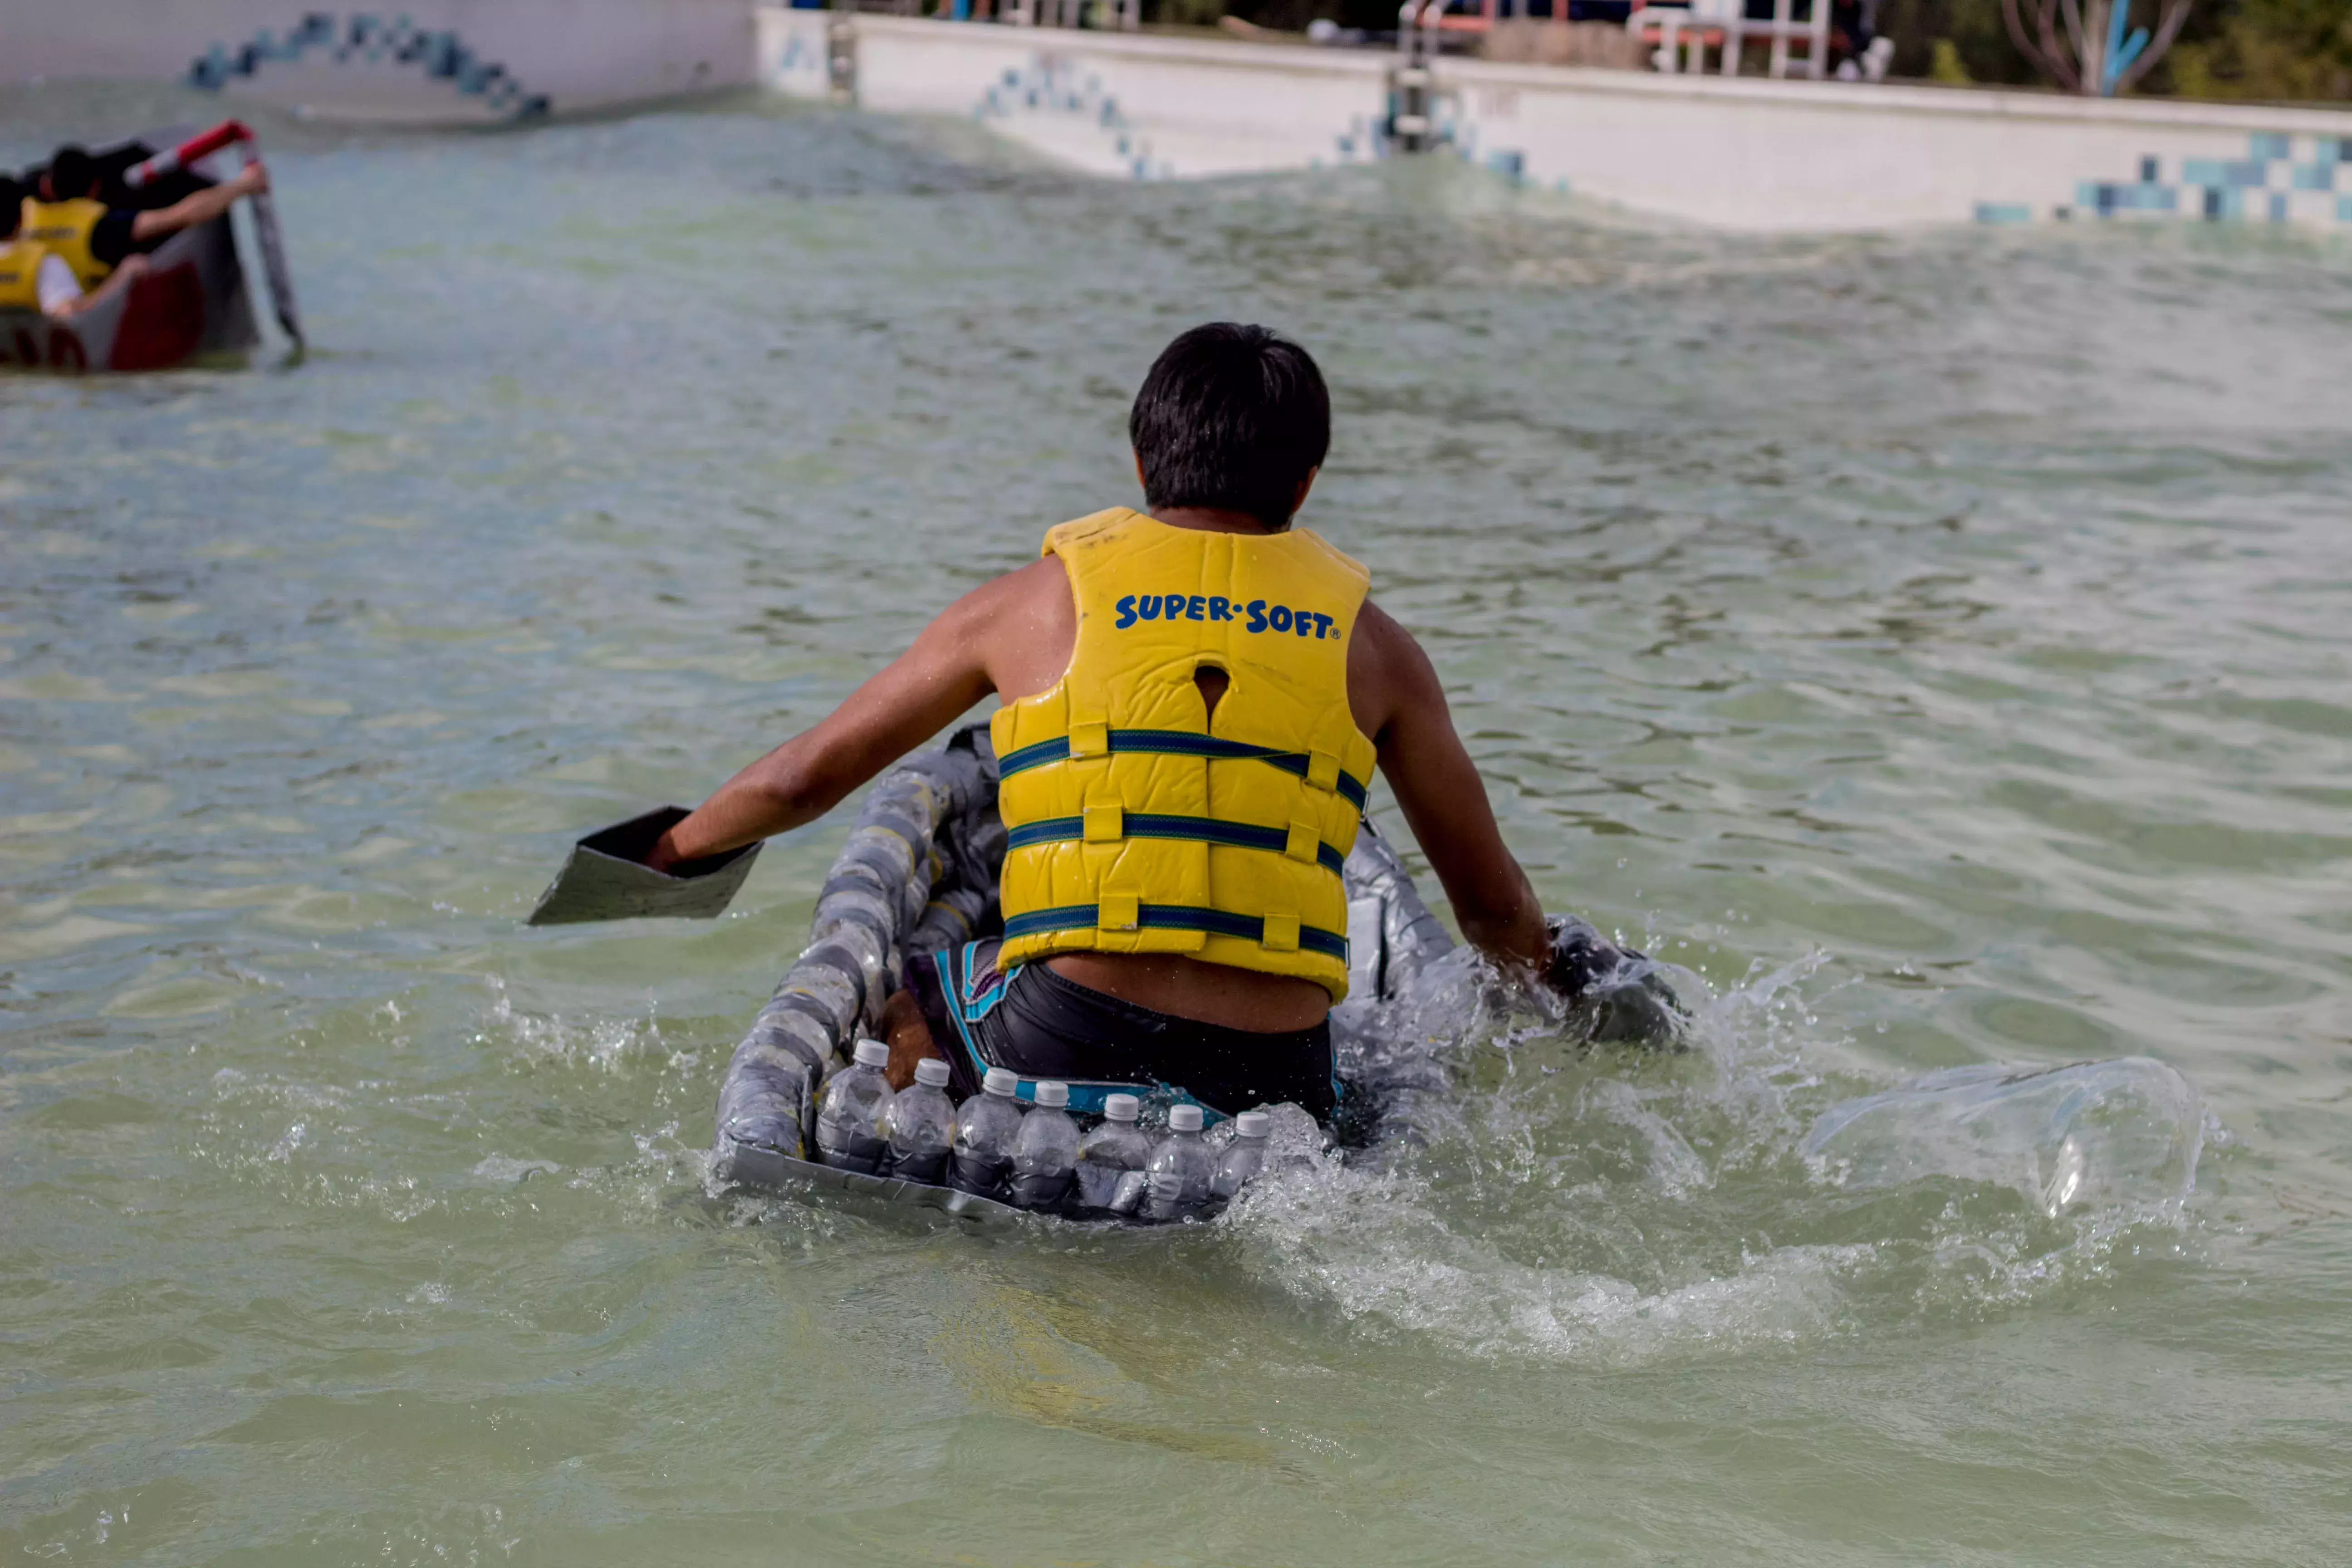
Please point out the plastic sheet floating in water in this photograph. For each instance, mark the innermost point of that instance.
(2095, 1134)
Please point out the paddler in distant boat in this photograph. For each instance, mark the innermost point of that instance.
(1194, 697)
(32, 278)
(69, 221)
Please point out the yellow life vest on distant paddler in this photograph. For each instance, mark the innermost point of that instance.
(64, 228)
(20, 275)
(1137, 823)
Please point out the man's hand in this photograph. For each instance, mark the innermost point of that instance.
(201, 207)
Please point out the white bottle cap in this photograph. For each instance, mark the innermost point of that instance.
(1184, 1119)
(932, 1071)
(1253, 1124)
(1121, 1108)
(1052, 1096)
(1000, 1080)
(872, 1054)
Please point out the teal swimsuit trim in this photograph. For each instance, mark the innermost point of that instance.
(973, 987)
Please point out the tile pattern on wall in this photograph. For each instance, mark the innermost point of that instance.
(2283, 178)
(440, 54)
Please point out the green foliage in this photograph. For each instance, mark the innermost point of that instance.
(1933, 38)
(2273, 49)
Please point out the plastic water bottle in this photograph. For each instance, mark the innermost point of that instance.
(849, 1121)
(1111, 1160)
(1176, 1182)
(920, 1126)
(1045, 1155)
(1244, 1157)
(986, 1126)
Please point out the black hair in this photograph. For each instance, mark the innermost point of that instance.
(72, 172)
(12, 211)
(1232, 417)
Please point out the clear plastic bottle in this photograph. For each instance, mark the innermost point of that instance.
(1045, 1155)
(1176, 1182)
(849, 1118)
(1244, 1157)
(1112, 1157)
(921, 1125)
(986, 1126)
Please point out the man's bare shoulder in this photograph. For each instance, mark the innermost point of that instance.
(1018, 593)
(1386, 671)
(1020, 624)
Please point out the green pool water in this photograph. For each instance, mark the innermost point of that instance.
(1938, 647)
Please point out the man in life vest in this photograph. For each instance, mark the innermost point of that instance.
(1193, 701)
(33, 278)
(69, 222)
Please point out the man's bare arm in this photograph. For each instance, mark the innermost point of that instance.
(1444, 799)
(204, 205)
(919, 693)
(133, 268)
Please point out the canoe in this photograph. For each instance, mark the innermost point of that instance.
(919, 874)
(194, 299)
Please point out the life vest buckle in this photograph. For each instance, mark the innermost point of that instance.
(1104, 824)
(1091, 737)
(1323, 771)
(1305, 842)
(1122, 911)
(1280, 933)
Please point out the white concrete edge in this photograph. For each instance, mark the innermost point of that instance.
(1958, 102)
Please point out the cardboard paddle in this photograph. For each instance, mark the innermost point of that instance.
(606, 877)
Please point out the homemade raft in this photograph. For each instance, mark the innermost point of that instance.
(193, 298)
(919, 874)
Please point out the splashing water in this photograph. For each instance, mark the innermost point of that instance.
(1535, 1196)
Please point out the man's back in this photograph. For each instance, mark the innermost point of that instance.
(1174, 910)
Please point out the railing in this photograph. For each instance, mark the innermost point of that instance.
(1684, 32)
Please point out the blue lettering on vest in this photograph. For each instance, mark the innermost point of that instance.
(1151, 606)
(1322, 626)
(1195, 606)
(1126, 607)
(1280, 616)
(1220, 607)
(1257, 608)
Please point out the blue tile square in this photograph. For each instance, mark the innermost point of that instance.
(2147, 171)
(2202, 172)
(2268, 144)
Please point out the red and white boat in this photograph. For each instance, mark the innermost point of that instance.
(193, 298)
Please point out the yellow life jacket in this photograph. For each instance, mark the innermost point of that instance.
(20, 275)
(63, 228)
(1139, 823)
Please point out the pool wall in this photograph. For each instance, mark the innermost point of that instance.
(1742, 153)
(425, 61)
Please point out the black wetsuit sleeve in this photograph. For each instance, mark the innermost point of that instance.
(110, 239)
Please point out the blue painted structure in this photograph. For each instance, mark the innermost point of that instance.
(438, 54)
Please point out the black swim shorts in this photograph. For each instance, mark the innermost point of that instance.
(1043, 1026)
